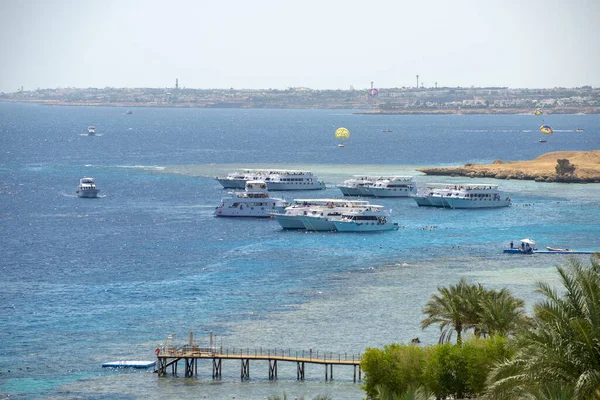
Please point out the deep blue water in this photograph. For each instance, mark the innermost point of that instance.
(85, 281)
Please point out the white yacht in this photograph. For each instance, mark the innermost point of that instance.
(275, 179)
(238, 179)
(254, 201)
(91, 130)
(372, 219)
(464, 196)
(290, 218)
(87, 188)
(320, 218)
(431, 194)
(356, 185)
(394, 186)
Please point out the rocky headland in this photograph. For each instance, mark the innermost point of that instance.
(559, 166)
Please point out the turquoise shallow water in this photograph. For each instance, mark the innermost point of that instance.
(89, 281)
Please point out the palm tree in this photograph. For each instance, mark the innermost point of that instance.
(560, 356)
(449, 308)
(500, 313)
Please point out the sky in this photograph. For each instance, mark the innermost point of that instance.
(319, 44)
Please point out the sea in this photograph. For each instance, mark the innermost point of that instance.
(88, 281)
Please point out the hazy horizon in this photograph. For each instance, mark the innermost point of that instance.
(327, 45)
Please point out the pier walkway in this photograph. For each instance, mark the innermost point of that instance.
(171, 355)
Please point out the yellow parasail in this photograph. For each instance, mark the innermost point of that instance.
(342, 133)
(538, 112)
(546, 130)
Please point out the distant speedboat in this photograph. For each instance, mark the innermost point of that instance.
(542, 140)
(386, 130)
(91, 130)
(578, 130)
(87, 188)
(340, 145)
(129, 112)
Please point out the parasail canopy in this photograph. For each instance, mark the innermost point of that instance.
(539, 111)
(373, 92)
(342, 133)
(546, 130)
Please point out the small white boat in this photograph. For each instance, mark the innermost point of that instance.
(340, 145)
(87, 188)
(555, 249)
(91, 130)
(254, 201)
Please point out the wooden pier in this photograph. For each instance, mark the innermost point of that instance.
(170, 356)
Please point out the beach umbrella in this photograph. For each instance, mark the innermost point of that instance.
(527, 240)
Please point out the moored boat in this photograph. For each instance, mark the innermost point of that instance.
(373, 219)
(462, 196)
(356, 185)
(393, 186)
(91, 130)
(294, 216)
(254, 201)
(275, 179)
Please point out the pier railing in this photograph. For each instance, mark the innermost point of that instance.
(259, 353)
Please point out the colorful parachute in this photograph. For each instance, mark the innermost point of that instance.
(373, 92)
(538, 111)
(546, 130)
(342, 133)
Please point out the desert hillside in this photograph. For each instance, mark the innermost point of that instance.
(582, 167)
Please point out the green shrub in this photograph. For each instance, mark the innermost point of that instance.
(397, 368)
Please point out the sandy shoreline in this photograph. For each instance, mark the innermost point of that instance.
(540, 169)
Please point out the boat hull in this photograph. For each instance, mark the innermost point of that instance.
(390, 192)
(317, 223)
(281, 186)
(256, 211)
(88, 193)
(350, 226)
(289, 221)
(450, 202)
(232, 183)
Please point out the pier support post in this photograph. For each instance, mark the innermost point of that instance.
(326, 373)
(189, 367)
(245, 369)
(162, 366)
(330, 372)
(272, 369)
(300, 371)
(216, 368)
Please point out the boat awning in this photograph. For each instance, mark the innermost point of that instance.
(527, 240)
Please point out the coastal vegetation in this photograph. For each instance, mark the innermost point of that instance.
(555, 354)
